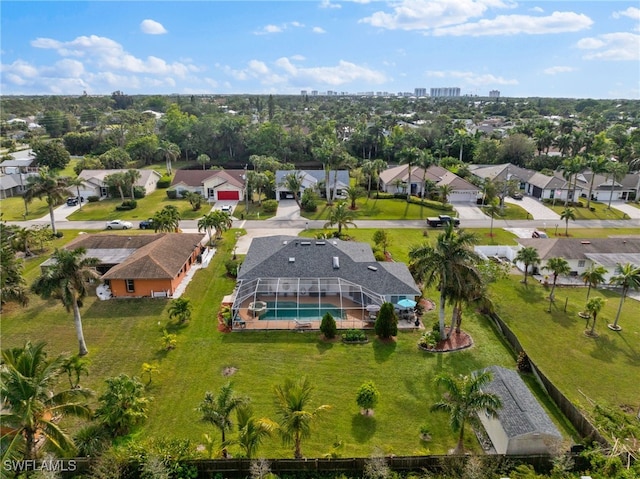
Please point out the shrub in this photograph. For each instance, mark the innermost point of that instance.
(387, 322)
(429, 340)
(127, 205)
(328, 326)
(93, 199)
(139, 192)
(270, 206)
(524, 366)
(379, 255)
(354, 336)
(164, 182)
(172, 194)
(309, 201)
(367, 396)
(232, 266)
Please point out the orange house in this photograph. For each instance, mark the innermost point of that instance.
(143, 265)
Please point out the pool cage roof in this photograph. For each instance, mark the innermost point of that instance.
(344, 294)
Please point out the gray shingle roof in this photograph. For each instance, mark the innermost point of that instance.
(577, 248)
(520, 413)
(269, 257)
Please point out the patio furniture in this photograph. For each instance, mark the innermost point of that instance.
(302, 324)
(239, 324)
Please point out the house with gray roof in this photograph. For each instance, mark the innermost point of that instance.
(314, 180)
(95, 185)
(522, 426)
(288, 272)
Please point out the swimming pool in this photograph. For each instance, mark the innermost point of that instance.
(288, 310)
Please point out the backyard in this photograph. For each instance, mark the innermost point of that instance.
(122, 335)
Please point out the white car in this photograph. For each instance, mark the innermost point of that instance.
(227, 209)
(119, 225)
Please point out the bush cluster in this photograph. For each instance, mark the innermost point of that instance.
(164, 182)
(127, 205)
(354, 336)
(93, 199)
(172, 194)
(270, 206)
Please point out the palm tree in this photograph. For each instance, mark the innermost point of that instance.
(180, 308)
(449, 265)
(207, 223)
(463, 401)
(203, 159)
(529, 256)
(168, 152)
(598, 165)
(293, 183)
(342, 216)
(566, 215)
(593, 307)
(409, 156)
(118, 181)
(252, 430)
(292, 403)
(67, 280)
(74, 367)
(445, 191)
(424, 161)
(132, 177)
(372, 169)
(216, 410)
(353, 193)
(617, 172)
(47, 184)
(77, 182)
(221, 221)
(493, 208)
(167, 220)
(557, 266)
(460, 138)
(593, 276)
(570, 169)
(31, 405)
(627, 276)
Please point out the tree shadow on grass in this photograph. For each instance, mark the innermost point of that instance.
(382, 350)
(605, 349)
(363, 427)
(323, 345)
(122, 308)
(530, 292)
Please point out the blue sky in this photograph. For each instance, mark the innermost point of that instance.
(587, 49)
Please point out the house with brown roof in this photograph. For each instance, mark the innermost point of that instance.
(142, 265)
(215, 185)
(396, 180)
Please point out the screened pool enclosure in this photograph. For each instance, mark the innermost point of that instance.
(277, 303)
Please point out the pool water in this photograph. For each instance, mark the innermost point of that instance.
(289, 310)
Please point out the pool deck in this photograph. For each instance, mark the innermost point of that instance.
(356, 317)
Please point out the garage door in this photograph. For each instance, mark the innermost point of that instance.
(228, 195)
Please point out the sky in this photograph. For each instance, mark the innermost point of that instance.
(586, 49)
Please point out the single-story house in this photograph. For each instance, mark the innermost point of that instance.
(11, 185)
(287, 272)
(314, 180)
(215, 185)
(583, 253)
(141, 265)
(605, 188)
(396, 180)
(502, 172)
(19, 165)
(522, 426)
(95, 185)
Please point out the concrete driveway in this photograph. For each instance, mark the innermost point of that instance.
(287, 210)
(631, 211)
(467, 211)
(535, 208)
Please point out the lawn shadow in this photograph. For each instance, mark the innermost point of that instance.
(382, 350)
(122, 308)
(530, 292)
(175, 326)
(605, 349)
(323, 345)
(363, 427)
(161, 354)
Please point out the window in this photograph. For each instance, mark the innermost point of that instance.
(130, 286)
(581, 263)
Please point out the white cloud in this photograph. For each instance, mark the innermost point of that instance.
(297, 24)
(151, 27)
(258, 67)
(298, 58)
(558, 69)
(631, 12)
(340, 74)
(318, 30)
(268, 29)
(426, 14)
(328, 4)
(20, 69)
(536, 10)
(612, 46)
(557, 22)
(473, 79)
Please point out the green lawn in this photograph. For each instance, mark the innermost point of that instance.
(147, 206)
(601, 211)
(254, 212)
(13, 209)
(380, 209)
(510, 212)
(590, 232)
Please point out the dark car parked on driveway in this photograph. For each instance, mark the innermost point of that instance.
(73, 201)
(146, 224)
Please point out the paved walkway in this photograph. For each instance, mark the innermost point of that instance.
(535, 208)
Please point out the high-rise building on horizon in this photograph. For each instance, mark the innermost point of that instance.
(445, 92)
(420, 92)
(494, 94)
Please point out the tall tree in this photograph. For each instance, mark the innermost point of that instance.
(529, 256)
(293, 183)
(566, 215)
(67, 280)
(424, 161)
(593, 307)
(409, 156)
(12, 283)
(169, 152)
(132, 177)
(557, 266)
(47, 184)
(203, 159)
(117, 181)
(51, 154)
(598, 166)
(77, 182)
(167, 220)
(627, 276)
(342, 216)
(32, 404)
(493, 208)
(448, 265)
(296, 419)
(593, 276)
(372, 169)
(617, 171)
(464, 400)
(217, 410)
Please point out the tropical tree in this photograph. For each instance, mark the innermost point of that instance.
(529, 256)
(557, 266)
(493, 208)
(372, 169)
(207, 223)
(252, 431)
(409, 156)
(67, 280)
(293, 183)
(342, 216)
(31, 403)
(203, 159)
(77, 182)
(570, 169)
(424, 161)
(464, 399)
(593, 276)
(296, 419)
(168, 152)
(449, 265)
(118, 181)
(74, 366)
(123, 405)
(166, 220)
(353, 193)
(261, 181)
(47, 184)
(180, 308)
(445, 191)
(593, 308)
(216, 410)
(627, 276)
(367, 397)
(12, 283)
(617, 172)
(132, 176)
(566, 215)
(598, 166)
(194, 198)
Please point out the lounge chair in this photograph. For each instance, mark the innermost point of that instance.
(302, 324)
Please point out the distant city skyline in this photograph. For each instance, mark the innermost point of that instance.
(586, 49)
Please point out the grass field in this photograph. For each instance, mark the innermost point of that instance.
(601, 212)
(510, 212)
(13, 209)
(380, 209)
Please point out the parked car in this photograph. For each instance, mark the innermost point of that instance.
(227, 209)
(119, 225)
(146, 224)
(443, 220)
(73, 201)
(516, 195)
(539, 234)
